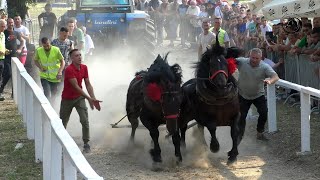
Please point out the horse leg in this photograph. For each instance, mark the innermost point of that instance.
(214, 144)
(176, 143)
(183, 130)
(237, 131)
(156, 151)
(133, 119)
(201, 135)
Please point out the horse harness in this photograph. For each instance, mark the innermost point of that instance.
(206, 96)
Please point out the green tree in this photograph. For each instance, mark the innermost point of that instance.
(18, 7)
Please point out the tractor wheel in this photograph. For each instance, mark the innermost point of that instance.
(143, 41)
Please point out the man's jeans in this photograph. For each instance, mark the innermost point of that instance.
(50, 89)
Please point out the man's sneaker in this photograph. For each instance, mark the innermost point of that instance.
(86, 148)
(1, 98)
(262, 137)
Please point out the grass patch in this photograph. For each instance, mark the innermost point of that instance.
(20, 163)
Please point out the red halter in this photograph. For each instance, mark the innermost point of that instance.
(217, 72)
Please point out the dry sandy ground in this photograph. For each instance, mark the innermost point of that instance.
(113, 158)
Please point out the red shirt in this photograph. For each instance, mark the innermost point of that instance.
(69, 92)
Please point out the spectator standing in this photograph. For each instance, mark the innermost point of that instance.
(161, 19)
(184, 23)
(64, 44)
(74, 97)
(223, 36)
(50, 62)
(241, 31)
(316, 22)
(233, 31)
(25, 34)
(89, 46)
(153, 10)
(265, 27)
(172, 21)
(78, 33)
(2, 51)
(206, 38)
(49, 20)
(218, 9)
(71, 36)
(142, 5)
(11, 38)
(252, 77)
(192, 14)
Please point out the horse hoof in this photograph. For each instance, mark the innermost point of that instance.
(155, 156)
(178, 159)
(231, 161)
(156, 167)
(214, 146)
(183, 145)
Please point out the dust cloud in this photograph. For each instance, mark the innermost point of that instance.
(110, 74)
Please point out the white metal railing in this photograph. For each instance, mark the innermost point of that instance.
(45, 127)
(305, 93)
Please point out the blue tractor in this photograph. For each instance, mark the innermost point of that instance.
(114, 22)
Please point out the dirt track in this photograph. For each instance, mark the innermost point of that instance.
(113, 158)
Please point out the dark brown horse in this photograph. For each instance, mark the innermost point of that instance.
(155, 96)
(211, 98)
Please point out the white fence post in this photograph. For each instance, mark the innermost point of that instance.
(14, 77)
(56, 155)
(70, 172)
(29, 112)
(23, 101)
(305, 121)
(46, 136)
(19, 97)
(272, 108)
(38, 134)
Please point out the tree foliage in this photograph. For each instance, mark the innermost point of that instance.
(18, 7)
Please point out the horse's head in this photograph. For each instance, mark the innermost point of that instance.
(163, 85)
(214, 59)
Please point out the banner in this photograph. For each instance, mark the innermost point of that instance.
(256, 5)
(278, 9)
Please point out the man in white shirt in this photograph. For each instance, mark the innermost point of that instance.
(206, 38)
(192, 14)
(24, 33)
(265, 27)
(88, 45)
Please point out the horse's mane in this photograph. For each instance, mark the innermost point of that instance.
(160, 69)
(202, 67)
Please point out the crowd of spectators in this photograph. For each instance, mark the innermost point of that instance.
(238, 26)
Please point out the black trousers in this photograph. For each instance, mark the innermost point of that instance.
(261, 104)
(6, 75)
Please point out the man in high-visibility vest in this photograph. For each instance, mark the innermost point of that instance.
(223, 36)
(50, 62)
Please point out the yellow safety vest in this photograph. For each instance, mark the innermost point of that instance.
(2, 45)
(51, 63)
(220, 35)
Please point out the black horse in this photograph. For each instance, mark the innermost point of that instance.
(211, 98)
(155, 96)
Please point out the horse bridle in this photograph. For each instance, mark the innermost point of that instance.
(171, 116)
(211, 77)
